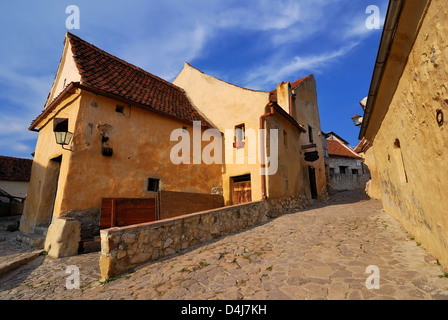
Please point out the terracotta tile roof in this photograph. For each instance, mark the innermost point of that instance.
(337, 148)
(105, 72)
(15, 169)
(361, 145)
(294, 85)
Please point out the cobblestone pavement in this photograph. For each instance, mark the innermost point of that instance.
(319, 253)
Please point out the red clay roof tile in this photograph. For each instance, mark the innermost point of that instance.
(108, 73)
(15, 169)
(336, 148)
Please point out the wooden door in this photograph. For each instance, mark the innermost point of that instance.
(313, 185)
(242, 192)
(125, 212)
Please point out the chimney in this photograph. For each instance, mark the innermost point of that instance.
(284, 93)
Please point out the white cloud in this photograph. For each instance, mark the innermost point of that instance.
(23, 89)
(165, 57)
(263, 15)
(284, 69)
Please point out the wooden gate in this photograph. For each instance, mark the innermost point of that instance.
(242, 192)
(125, 212)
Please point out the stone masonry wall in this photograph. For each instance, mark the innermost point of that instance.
(345, 182)
(410, 147)
(122, 249)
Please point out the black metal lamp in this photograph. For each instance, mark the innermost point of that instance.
(61, 133)
(357, 120)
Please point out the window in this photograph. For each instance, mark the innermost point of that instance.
(343, 169)
(60, 125)
(355, 171)
(310, 134)
(240, 136)
(240, 133)
(119, 109)
(285, 138)
(331, 170)
(153, 185)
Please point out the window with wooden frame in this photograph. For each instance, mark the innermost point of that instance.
(310, 134)
(240, 136)
(285, 138)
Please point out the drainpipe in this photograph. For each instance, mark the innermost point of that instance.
(292, 99)
(262, 152)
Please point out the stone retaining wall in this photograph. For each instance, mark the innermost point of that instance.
(347, 182)
(122, 249)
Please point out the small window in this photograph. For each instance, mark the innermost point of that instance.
(331, 170)
(285, 138)
(355, 171)
(153, 185)
(60, 125)
(240, 132)
(119, 109)
(310, 134)
(343, 170)
(240, 136)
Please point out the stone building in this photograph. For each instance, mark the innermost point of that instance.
(115, 124)
(347, 169)
(14, 178)
(404, 125)
(121, 118)
(291, 110)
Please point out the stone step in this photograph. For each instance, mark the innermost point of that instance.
(10, 223)
(18, 261)
(41, 230)
(32, 240)
(88, 246)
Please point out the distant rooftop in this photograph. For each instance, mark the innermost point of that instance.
(15, 169)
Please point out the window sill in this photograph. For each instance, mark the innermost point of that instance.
(238, 145)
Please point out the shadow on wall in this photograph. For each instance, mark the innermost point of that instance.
(343, 197)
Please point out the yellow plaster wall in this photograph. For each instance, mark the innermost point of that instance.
(421, 203)
(227, 106)
(306, 112)
(288, 181)
(67, 72)
(141, 143)
(373, 187)
(40, 197)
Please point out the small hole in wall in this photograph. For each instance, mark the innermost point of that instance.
(119, 109)
(153, 185)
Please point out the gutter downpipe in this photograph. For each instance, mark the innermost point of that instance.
(262, 153)
(390, 25)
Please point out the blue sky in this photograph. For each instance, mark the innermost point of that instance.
(251, 43)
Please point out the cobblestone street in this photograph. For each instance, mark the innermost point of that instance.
(318, 253)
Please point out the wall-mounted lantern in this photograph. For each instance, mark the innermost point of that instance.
(357, 120)
(311, 156)
(61, 133)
